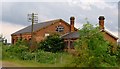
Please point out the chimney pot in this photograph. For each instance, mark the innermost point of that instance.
(101, 18)
(101, 22)
(72, 18)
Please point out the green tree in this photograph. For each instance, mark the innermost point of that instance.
(92, 48)
(118, 55)
(2, 39)
(52, 43)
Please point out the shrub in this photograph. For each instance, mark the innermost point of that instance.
(52, 43)
(23, 53)
(21, 42)
(92, 47)
(13, 52)
(118, 54)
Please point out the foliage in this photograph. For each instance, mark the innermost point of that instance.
(52, 43)
(93, 49)
(118, 54)
(2, 39)
(13, 52)
(21, 42)
(20, 51)
(40, 56)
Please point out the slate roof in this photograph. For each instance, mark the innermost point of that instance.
(71, 35)
(77, 34)
(37, 26)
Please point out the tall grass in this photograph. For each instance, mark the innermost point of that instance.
(39, 56)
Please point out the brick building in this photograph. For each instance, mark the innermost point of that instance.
(67, 31)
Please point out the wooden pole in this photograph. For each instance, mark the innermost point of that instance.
(32, 30)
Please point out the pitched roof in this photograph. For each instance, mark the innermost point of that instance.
(77, 34)
(110, 34)
(37, 26)
(71, 35)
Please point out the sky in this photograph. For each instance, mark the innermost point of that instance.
(14, 13)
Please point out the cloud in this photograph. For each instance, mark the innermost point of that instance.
(8, 29)
(58, 0)
(34, 0)
(87, 4)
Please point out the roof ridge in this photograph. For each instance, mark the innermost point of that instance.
(110, 33)
(20, 29)
(41, 23)
(49, 21)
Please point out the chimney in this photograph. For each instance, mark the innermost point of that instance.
(101, 22)
(72, 24)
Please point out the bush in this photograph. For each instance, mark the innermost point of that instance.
(13, 52)
(52, 43)
(118, 54)
(21, 42)
(93, 49)
(23, 53)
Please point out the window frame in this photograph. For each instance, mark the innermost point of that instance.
(60, 28)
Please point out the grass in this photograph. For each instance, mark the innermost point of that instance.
(26, 63)
(61, 59)
(23, 63)
(43, 59)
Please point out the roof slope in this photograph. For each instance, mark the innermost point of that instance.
(71, 35)
(37, 26)
(77, 34)
(110, 34)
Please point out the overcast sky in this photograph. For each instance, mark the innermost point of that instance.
(14, 13)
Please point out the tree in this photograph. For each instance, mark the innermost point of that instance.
(93, 49)
(52, 43)
(2, 39)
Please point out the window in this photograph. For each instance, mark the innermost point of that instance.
(60, 29)
(46, 34)
(71, 45)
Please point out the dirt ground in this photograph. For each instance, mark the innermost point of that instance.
(9, 64)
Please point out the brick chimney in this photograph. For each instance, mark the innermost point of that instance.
(101, 22)
(72, 24)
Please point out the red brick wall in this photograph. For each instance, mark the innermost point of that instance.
(110, 38)
(40, 35)
(16, 37)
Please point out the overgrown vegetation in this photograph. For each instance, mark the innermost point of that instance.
(93, 49)
(3, 40)
(40, 56)
(22, 42)
(52, 43)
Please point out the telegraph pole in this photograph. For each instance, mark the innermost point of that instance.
(34, 19)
